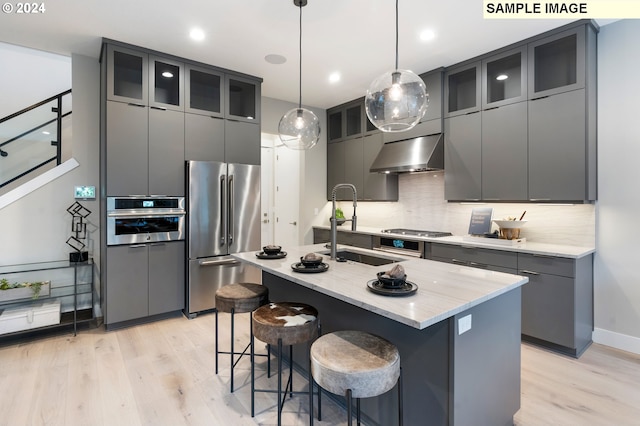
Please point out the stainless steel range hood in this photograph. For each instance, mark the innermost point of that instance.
(411, 155)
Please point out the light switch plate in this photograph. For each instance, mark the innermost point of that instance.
(464, 324)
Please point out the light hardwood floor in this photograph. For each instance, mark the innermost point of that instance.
(163, 374)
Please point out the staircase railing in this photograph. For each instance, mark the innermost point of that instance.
(25, 141)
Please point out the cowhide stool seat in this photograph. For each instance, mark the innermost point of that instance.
(237, 299)
(356, 364)
(283, 324)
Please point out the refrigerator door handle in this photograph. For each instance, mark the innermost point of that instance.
(231, 220)
(223, 186)
(219, 262)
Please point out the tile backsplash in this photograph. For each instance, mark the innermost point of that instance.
(421, 205)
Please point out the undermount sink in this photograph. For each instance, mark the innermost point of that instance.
(368, 259)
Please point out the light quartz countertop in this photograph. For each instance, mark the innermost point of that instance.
(545, 249)
(444, 289)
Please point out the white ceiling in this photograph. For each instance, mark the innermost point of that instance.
(353, 37)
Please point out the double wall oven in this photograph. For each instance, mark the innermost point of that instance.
(144, 219)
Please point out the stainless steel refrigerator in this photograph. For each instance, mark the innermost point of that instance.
(223, 217)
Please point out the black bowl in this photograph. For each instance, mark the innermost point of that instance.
(271, 249)
(391, 282)
(311, 262)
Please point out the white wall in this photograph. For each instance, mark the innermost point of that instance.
(28, 76)
(617, 276)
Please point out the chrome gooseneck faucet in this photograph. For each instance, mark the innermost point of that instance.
(334, 230)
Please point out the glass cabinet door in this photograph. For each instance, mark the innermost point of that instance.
(243, 99)
(354, 120)
(127, 78)
(204, 94)
(557, 63)
(167, 83)
(504, 78)
(462, 86)
(334, 120)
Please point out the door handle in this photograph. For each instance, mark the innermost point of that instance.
(265, 221)
(293, 223)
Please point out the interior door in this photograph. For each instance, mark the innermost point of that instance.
(266, 189)
(287, 198)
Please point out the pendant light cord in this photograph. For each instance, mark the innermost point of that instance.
(396, 34)
(300, 62)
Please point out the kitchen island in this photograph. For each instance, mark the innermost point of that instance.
(458, 334)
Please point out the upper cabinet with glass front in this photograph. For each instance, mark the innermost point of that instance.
(557, 63)
(462, 89)
(504, 78)
(242, 99)
(166, 78)
(127, 75)
(204, 91)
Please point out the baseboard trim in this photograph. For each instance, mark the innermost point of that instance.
(37, 182)
(617, 340)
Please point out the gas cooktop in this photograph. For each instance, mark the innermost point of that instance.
(416, 232)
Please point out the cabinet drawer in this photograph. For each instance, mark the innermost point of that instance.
(355, 240)
(546, 264)
(321, 235)
(475, 255)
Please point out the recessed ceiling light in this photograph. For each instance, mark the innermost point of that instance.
(167, 74)
(334, 77)
(427, 35)
(197, 34)
(44, 132)
(275, 59)
(501, 77)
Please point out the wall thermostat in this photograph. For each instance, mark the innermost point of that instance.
(85, 193)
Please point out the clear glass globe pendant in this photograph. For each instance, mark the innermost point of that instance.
(396, 101)
(299, 128)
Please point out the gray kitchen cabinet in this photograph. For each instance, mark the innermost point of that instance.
(144, 280)
(166, 83)
(344, 237)
(126, 291)
(493, 260)
(166, 152)
(242, 98)
(346, 121)
(204, 91)
(557, 302)
(127, 164)
(558, 63)
(462, 89)
(127, 77)
(203, 138)
(377, 186)
(145, 150)
(334, 124)
(504, 78)
(354, 166)
(241, 142)
(335, 170)
(166, 277)
(463, 157)
(560, 154)
(504, 153)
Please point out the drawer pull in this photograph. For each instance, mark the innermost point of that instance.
(544, 256)
(478, 265)
(459, 262)
(526, 272)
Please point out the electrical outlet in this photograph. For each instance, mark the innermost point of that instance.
(464, 324)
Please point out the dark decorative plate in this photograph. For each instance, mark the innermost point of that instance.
(379, 288)
(299, 267)
(263, 255)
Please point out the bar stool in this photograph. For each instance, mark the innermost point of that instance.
(283, 323)
(356, 364)
(237, 299)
